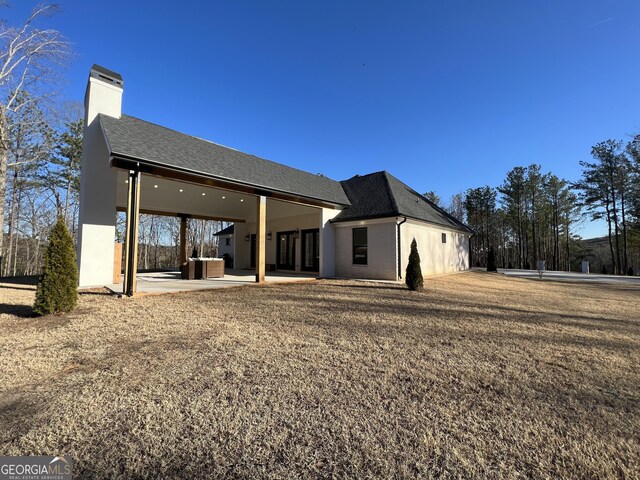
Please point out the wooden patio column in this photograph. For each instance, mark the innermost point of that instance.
(129, 285)
(261, 231)
(183, 239)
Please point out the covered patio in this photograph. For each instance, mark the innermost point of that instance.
(281, 214)
(275, 238)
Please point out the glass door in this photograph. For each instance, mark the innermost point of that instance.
(253, 251)
(286, 258)
(311, 250)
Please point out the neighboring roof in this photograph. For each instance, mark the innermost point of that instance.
(146, 142)
(380, 195)
(225, 231)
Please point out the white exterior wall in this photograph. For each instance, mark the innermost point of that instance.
(327, 242)
(435, 257)
(97, 216)
(98, 186)
(242, 256)
(381, 250)
(223, 247)
(101, 97)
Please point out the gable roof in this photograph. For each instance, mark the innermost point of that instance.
(149, 143)
(380, 195)
(225, 231)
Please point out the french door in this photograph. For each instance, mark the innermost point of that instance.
(311, 250)
(286, 251)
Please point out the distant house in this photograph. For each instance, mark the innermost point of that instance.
(284, 218)
(225, 242)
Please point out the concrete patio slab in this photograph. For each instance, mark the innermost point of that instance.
(170, 281)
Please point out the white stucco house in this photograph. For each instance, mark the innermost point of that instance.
(226, 242)
(283, 218)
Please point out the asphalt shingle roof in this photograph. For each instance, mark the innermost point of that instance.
(225, 231)
(380, 195)
(376, 195)
(144, 141)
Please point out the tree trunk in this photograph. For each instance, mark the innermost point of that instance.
(202, 236)
(66, 203)
(567, 245)
(12, 220)
(625, 256)
(17, 219)
(3, 177)
(613, 258)
(536, 246)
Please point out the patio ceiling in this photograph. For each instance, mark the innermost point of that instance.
(171, 197)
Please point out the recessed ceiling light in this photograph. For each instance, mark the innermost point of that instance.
(155, 186)
(223, 197)
(203, 194)
(242, 199)
(181, 190)
(126, 181)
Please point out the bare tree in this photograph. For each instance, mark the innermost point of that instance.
(29, 56)
(28, 148)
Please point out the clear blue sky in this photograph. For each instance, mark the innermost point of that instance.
(445, 95)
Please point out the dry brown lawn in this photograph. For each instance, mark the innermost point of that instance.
(479, 376)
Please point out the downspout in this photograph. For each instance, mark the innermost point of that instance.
(399, 238)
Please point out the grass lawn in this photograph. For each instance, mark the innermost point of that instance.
(480, 375)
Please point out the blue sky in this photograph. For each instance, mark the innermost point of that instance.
(444, 95)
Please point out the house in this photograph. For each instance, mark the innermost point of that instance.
(283, 218)
(226, 242)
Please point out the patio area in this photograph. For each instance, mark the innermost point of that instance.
(170, 282)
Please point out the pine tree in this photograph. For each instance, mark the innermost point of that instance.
(413, 277)
(57, 289)
(492, 265)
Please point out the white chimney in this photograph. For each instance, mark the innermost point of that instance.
(98, 188)
(103, 95)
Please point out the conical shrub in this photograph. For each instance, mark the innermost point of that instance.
(413, 276)
(492, 264)
(57, 289)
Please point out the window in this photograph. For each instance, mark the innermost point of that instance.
(227, 241)
(359, 246)
(444, 238)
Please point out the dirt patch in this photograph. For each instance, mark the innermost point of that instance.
(477, 376)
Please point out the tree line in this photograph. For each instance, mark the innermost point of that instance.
(533, 215)
(610, 190)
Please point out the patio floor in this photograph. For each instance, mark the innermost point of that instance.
(170, 281)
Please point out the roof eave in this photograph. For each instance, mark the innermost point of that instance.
(127, 162)
(366, 217)
(463, 229)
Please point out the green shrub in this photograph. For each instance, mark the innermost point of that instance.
(492, 264)
(57, 289)
(413, 277)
